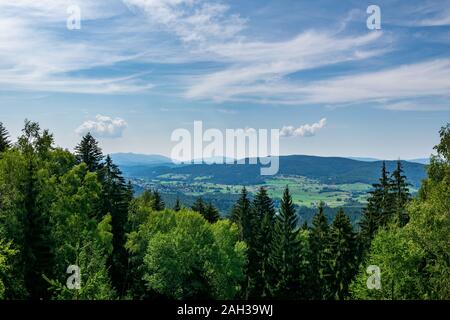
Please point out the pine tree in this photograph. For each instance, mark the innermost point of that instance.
(89, 152)
(4, 139)
(211, 213)
(244, 216)
(158, 203)
(177, 206)
(199, 206)
(401, 195)
(285, 251)
(343, 251)
(265, 214)
(379, 210)
(37, 252)
(320, 259)
(116, 197)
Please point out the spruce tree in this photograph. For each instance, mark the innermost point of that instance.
(320, 255)
(265, 215)
(116, 197)
(199, 206)
(343, 253)
(177, 206)
(37, 248)
(4, 139)
(379, 209)
(401, 195)
(211, 213)
(89, 152)
(285, 250)
(244, 216)
(158, 203)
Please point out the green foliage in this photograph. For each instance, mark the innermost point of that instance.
(211, 213)
(414, 260)
(6, 253)
(265, 215)
(320, 256)
(89, 152)
(285, 250)
(5, 144)
(189, 258)
(343, 252)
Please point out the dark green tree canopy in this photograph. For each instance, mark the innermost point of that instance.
(89, 152)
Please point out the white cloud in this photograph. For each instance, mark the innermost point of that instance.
(259, 64)
(419, 80)
(103, 127)
(191, 20)
(306, 130)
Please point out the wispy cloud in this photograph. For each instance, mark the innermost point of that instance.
(103, 127)
(306, 130)
(259, 64)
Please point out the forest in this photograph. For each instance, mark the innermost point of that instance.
(60, 209)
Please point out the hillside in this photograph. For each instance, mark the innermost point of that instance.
(330, 170)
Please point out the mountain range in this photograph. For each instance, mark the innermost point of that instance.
(330, 170)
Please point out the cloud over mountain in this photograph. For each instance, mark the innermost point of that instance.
(306, 130)
(103, 127)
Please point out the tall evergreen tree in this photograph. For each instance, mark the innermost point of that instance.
(379, 209)
(211, 213)
(158, 203)
(401, 195)
(265, 215)
(177, 206)
(116, 197)
(89, 152)
(35, 145)
(244, 216)
(199, 206)
(285, 251)
(343, 253)
(4, 139)
(320, 255)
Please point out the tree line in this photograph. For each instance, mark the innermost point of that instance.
(59, 208)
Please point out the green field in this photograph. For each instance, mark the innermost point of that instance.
(306, 192)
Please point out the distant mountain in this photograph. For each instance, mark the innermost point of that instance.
(363, 159)
(421, 160)
(330, 170)
(134, 159)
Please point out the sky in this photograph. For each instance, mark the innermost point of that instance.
(136, 70)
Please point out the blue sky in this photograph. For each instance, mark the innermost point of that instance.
(138, 69)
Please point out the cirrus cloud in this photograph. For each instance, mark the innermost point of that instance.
(103, 127)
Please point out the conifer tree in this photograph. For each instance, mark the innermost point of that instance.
(285, 251)
(320, 255)
(401, 195)
(265, 215)
(158, 203)
(116, 197)
(89, 152)
(199, 206)
(37, 252)
(4, 139)
(177, 206)
(379, 209)
(211, 213)
(343, 254)
(244, 216)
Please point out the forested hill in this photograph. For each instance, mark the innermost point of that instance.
(325, 169)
